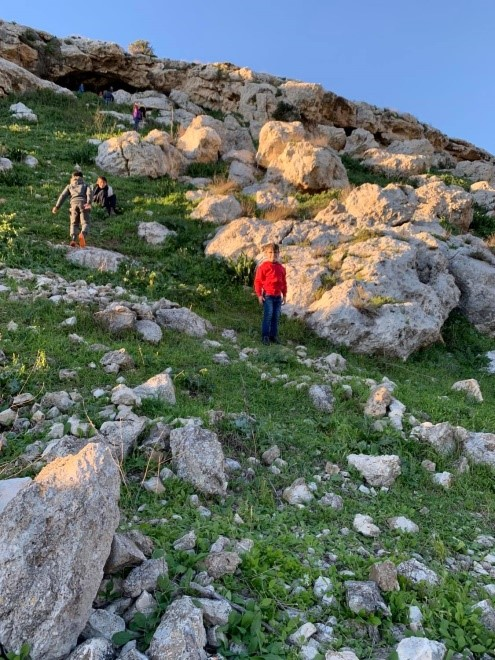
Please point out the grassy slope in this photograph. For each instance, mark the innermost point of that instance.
(288, 541)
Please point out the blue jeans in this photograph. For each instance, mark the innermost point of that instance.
(272, 307)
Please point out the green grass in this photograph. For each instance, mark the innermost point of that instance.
(289, 545)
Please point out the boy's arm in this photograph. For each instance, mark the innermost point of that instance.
(284, 286)
(63, 196)
(258, 284)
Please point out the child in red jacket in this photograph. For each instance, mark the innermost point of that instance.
(270, 285)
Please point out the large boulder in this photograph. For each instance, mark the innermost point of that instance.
(95, 258)
(130, 155)
(472, 264)
(181, 634)
(218, 209)
(399, 304)
(55, 537)
(274, 137)
(200, 144)
(309, 167)
(199, 459)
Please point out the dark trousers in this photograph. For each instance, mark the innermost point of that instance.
(79, 221)
(108, 202)
(272, 306)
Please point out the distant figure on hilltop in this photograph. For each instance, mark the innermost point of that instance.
(108, 96)
(81, 197)
(137, 115)
(104, 196)
(81, 88)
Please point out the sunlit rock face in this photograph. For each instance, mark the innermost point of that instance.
(257, 97)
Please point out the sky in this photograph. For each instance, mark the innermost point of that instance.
(431, 58)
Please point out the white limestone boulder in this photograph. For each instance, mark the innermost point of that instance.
(130, 155)
(154, 233)
(377, 470)
(200, 144)
(62, 524)
(274, 137)
(218, 209)
(308, 167)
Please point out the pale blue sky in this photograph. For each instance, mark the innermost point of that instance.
(432, 58)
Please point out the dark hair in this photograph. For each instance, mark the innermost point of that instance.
(77, 173)
(103, 178)
(271, 246)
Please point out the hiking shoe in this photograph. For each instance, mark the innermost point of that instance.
(112, 212)
(266, 341)
(73, 244)
(275, 340)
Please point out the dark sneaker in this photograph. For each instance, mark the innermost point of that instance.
(266, 341)
(275, 340)
(73, 244)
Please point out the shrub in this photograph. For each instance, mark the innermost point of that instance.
(216, 168)
(277, 213)
(141, 47)
(222, 186)
(84, 155)
(286, 112)
(242, 269)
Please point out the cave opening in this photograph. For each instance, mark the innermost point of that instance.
(93, 81)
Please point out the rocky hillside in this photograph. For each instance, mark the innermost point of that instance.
(169, 486)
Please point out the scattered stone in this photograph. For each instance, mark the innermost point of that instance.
(154, 485)
(322, 397)
(199, 459)
(471, 387)
(123, 554)
(377, 470)
(385, 575)
(364, 525)
(402, 524)
(144, 577)
(487, 614)
(159, 387)
(443, 479)
(270, 455)
(440, 436)
(186, 542)
(322, 588)
(417, 572)
(302, 634)
(103, 624)
(332, 500)
(341, 655)
(420, 648)
(298, 493)
(365, 597)
(181, 633)
(378, 402)
(415, 618)
(222, 563)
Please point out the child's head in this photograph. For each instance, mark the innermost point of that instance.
(102, 181)
(271, 251)
(76, 174)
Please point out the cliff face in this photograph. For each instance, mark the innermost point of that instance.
(258, 97)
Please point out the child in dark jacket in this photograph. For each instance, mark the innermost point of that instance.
(270, 285)
(81, 197)
(104, 196)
